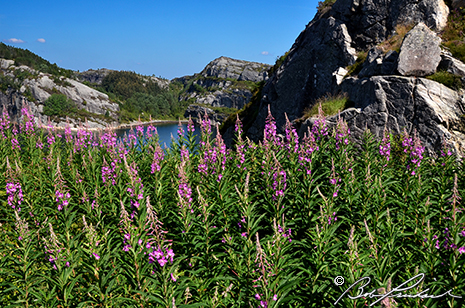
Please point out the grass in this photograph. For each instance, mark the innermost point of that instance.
(449, 80)
(330, 104)
(355, 68)
(453, 34)
(395, 41)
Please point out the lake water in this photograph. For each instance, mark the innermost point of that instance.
(165, 132)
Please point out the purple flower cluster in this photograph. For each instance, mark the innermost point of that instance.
(27, 126)
(180, 130)
(413, 147)
(62, 199)
(385, 146)
(15, 195)
(286, 234)
(82, 140)
(159, 250)
(292, 138)
(205, 127)
(279, 183)
(109, 172)
(4, 123)
(158, 156)
(190, 126)
(270, 137)
(184, 190)
(160, 255)
(151, 131)
(319, 128)
(341, 133)
(306, 150)
(108, 139)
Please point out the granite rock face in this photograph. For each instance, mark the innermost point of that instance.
(34, 91)
(93, 76)
(372, 21)
(309, 71)
(420, 53)
(378, 63)
(224, 67)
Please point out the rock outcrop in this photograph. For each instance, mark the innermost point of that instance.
(420, 52)
(224, 67)
(37, 87)
(93, 76)
(224, 82)
(383, 98)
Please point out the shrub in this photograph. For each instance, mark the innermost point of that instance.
(58, 105)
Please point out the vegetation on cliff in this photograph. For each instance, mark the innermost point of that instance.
(28, 58)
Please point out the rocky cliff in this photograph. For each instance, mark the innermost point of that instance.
(224, 82)
(24, 85)
(387, 93)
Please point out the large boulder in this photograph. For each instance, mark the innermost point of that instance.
(420, 52)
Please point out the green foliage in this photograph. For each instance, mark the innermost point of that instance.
(453, 34)
(58, 105)
(278, 63)
(26, 57)
(125, 84)
(324, 6)
(7, 82)
(449, 80)
(330, 104)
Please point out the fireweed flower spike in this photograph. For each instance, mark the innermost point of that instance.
(21, 227)
(269, 136)
(385, 146)
(14, 195)
(292, 138)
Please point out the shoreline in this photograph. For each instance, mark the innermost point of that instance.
(121, 126)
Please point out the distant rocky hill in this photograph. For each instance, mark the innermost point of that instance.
(23, 85)
(340, 52)
(95, 77)
(223, 83)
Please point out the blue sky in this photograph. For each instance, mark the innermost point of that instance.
(170, 38)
